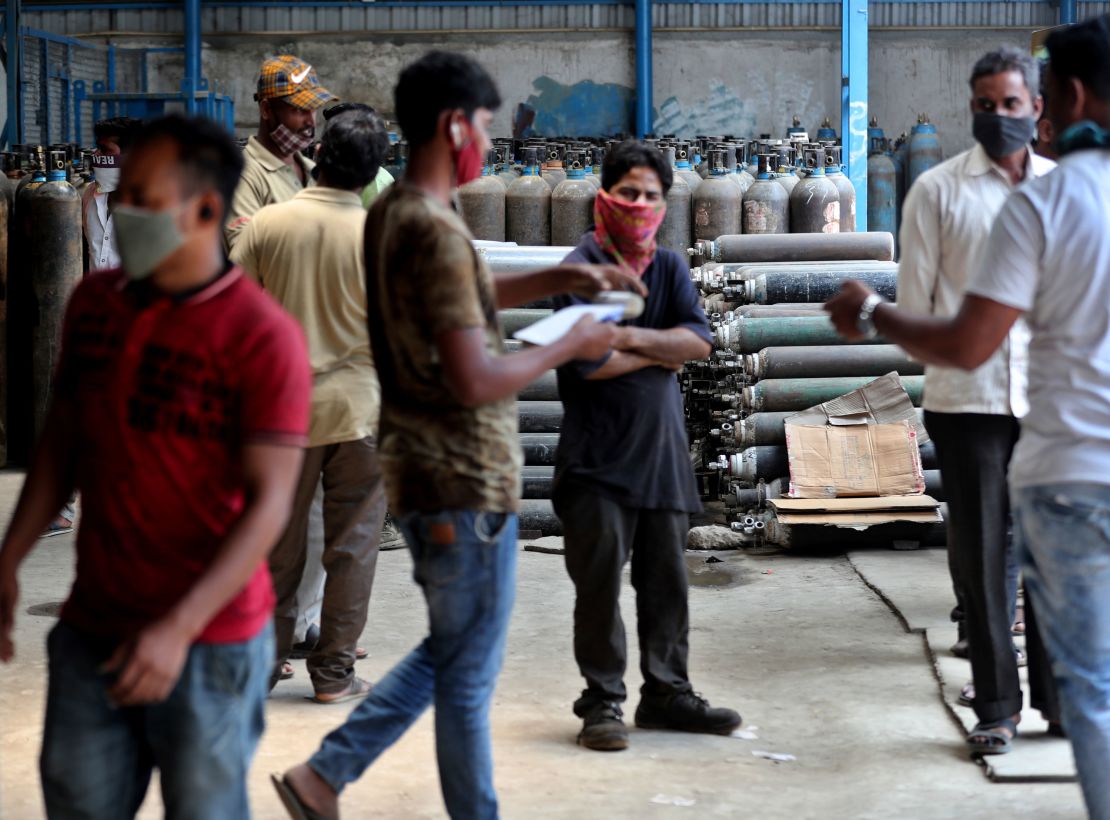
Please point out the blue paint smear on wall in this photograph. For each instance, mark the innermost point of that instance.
(585, 108)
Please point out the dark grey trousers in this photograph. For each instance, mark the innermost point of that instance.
(973, 451)
(354, 508)
(600, 537)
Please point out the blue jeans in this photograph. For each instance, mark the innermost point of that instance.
(465, 561)
(97, 758)
(1063, 534)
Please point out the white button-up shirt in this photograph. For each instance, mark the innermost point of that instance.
(100, 233)
(946, 221)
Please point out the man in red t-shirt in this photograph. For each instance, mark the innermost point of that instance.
(180, 412)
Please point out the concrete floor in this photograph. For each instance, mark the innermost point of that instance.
(799, 645)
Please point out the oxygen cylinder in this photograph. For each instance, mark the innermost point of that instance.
(795, 128)
(815, 201)
(786, 176)
(740, 173)
(844, 187)
(684, 168)
(5, 214)
(766, 205)
(826, 131)
(20, 312)
(482, 203)
(572, 203)
(924, 149)
(54, 272)
(593, 169)
(528, 206)
(717, 202)
(675, 232)
(882, 188)
(553, 169)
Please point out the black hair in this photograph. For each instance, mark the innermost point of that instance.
(1082, 51)
(344, 107)
(352, 149)
(1009, 59)
(206, 153)
(635, 154)
(437, 82)
(122, 129)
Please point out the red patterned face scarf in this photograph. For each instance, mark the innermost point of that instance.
(626, 230)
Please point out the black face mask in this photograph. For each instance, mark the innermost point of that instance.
(1001, 136)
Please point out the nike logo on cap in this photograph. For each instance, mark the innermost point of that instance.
(299, 78)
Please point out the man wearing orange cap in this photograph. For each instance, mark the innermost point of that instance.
(288, 95)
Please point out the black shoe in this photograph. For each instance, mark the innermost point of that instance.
(603, 730)
(685, 712)
(305, 648)
(959, 648)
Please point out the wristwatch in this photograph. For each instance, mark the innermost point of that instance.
(866, 322)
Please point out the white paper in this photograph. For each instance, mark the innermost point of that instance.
(775, 756)
(666, 800)
(559, 323)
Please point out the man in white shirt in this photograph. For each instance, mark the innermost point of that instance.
(1048, 259)
(973, 417)
(113, 138)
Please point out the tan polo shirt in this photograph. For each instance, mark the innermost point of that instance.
(266, 181)
(307, 253)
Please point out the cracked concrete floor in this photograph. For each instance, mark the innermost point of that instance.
(799, 645)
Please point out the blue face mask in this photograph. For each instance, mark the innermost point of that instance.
(1080, 135)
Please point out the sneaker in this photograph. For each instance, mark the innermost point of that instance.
(603, 730)
(391, 537)
(685, 712)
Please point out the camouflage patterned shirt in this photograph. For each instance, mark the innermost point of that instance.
(423, 278)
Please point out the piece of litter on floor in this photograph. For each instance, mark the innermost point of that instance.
(775, 756)
(746, 734)
(666, 800)
(768, 572)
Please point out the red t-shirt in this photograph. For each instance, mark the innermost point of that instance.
(167, 391)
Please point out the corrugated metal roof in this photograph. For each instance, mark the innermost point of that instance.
(386, 17)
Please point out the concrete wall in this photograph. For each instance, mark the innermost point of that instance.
(736, 82)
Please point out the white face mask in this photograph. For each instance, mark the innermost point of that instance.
(106, 168)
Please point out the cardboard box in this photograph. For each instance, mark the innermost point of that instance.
(856, 513)
(861, 459)
(883, 401)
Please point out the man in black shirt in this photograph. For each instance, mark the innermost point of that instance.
(624, 486)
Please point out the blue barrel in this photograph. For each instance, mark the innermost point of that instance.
(924, 150)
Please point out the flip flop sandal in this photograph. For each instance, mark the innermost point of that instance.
(998, 741)
(292, 801)
(55, 528)
(286, 671)
(967, 696)
(359, 689)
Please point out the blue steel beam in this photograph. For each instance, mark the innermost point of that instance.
(191, 80)
(853, 100)
(1067, 12)
(643, 68)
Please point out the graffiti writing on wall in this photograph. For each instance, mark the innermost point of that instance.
(585, 108)
(718, 112)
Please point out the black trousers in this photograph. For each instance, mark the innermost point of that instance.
(600, 537)
(354, 509)
(973, 451)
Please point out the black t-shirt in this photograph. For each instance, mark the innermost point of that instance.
(626, 437)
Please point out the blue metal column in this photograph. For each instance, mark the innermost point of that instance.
(853, 100)
(192, 54)
(13, 131)
(1067, 12)
(643, 68)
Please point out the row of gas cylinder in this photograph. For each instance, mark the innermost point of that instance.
(40, 264)
(545, 195)
(775, 353)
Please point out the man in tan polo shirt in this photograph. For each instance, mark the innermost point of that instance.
(288, 95)
(307, 253)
